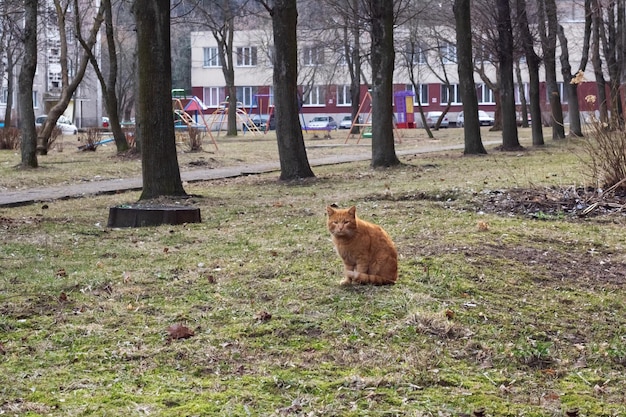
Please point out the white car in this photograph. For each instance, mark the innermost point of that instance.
(346, 122)
(433, 116)
(483, 118)
(322, 122)
(66, 125)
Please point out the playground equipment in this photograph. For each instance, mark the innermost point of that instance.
(183, 107)
(221, 114)
(403, 101)
(365, 128)
(264, 107)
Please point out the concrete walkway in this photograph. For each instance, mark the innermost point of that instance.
(34, 195)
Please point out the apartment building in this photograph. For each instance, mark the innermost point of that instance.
(85, 109)
(324, 78)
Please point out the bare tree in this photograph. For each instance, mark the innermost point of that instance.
(68, 87)
(381, 17)
(532, 61)
(219, 17)
(471, 127)
(25, 85)
(510, 139)
(294, 163)
(11, 47)
(109, 84)
(548, 26)
(155, 120)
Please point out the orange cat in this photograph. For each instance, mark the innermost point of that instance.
(367, 251)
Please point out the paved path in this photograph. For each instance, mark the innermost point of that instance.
(33, 195)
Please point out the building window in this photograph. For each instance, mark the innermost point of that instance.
(452, 92)
(247, 56)
(312, 55)
(211, 57)
(4, 96)
(415, 54)
(35, 99)
(213, 96)
(421, 94)
(315, 97)
(343, 95)
(485, 95)
(448, 53)
(245, 95)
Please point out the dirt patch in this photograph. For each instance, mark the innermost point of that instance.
(544, 203)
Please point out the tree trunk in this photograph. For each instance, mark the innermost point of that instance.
(548, 37)
(383, 59)
(228, 70)
(471, 125)
(522, 96)
(510, 141)
(533, 61)
(109, 89)
(25, 86)
(596, 61)
(294, 163)
(10, 68)
(67, 88)
(155, 120)
(575, 127)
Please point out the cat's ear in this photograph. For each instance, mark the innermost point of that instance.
(352, 210)
(330, 210)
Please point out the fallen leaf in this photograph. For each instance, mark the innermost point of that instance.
(263, 316)
(178, 331)
(61, 273)
(63, 298)
(2, 349)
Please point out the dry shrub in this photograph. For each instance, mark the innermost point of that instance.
(605, 144)
(9, 138)
(195, 139)
(90, 141)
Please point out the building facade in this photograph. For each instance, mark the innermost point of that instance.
(325, 82)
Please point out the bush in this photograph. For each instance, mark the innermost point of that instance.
(195, 139)
(90, 141)
(10, 138)
(605, 145)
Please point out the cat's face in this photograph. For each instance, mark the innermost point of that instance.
(341, 222)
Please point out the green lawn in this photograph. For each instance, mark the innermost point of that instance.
(521, 315)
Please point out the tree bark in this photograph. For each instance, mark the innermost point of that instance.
(25, 86)
(510, 141)
(548, 31)
(383, 59)
(109, 92)
(155, 120)
(471, 125)
(294, 163)
(575, 127)
(596, 61)
(533, 61)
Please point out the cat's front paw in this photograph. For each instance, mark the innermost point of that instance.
(345, 281)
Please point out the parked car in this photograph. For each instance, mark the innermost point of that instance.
(483, 118)
(433, 116)
(322, 122)
(261, 120)
(346, 122)
(65, 124)
(105, 122)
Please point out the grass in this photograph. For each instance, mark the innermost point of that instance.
(516, 315)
